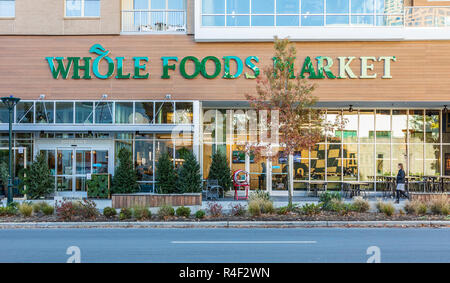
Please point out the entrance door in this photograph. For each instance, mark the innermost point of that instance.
(73, 166)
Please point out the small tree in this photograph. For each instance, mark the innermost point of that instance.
(37, 179)
(280, 92)
(189, 178)
(220, 170)
(125, 177)
(165, 175)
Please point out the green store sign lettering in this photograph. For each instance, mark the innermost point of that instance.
(318, 68)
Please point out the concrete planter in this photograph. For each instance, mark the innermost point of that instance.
(155, 200)
(425, 197)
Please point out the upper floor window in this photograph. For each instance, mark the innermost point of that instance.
(302, 13)
(7, 8)
(82, 8)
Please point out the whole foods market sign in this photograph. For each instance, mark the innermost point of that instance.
(312, 68)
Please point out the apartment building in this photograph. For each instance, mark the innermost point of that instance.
(98, 75)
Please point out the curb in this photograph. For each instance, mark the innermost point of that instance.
(227, 224)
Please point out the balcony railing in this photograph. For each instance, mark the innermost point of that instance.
(427, 16)
(153, 21)
(417, 16)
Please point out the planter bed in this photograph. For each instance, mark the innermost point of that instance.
(426, 197)
(324, 216)
(155, 200)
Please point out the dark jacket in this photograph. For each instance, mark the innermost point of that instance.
(401, 177)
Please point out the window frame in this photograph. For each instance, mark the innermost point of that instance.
(82, 11)
(14, 10)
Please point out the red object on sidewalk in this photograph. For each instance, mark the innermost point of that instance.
(240, 183)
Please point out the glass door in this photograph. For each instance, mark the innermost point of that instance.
(64, 170)
(83, 167)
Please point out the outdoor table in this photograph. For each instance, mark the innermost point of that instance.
(316, 187)
(355, 187)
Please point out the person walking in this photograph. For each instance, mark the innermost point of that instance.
(400, 190)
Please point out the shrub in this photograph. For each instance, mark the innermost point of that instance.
(214, 209)
(416, 207)
(335, 205)
(326, 199)
(47, 209)
(310, 209)
(259, 195)
(283, 210)
(440, 205)
(189, 177)
(37, 178)
(166, 211)
(125, 177)
(360, 205)
(125, 214)
(98, 186)
(88, 209)
(183, 211)
(109, 212)
(26, 209)
(66, 211)
(220, 170)
(200, 214)
(165, 174)
(386, 207)
(8, 211)
(36, 207)
(238, 210)
(267, 207)
(254, 208)
(141, 212)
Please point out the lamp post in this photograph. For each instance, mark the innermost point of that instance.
(10, 102)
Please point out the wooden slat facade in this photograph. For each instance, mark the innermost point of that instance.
(155, 200)
(421, 73)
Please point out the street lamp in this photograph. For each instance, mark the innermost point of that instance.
(10, 102)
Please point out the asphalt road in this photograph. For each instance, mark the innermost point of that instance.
(225, 245)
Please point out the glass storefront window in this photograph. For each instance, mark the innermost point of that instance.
(383, 126)
(100, 161)
(416, 125)
(164, 112)
(350, 162)
(312, 7)
(45, 112)
(287, 6)
(446, 158)
(301, 165)
(84, 112)
(4, 114)
(416, 159)
(143, 159)
(335, 135)
(446, 127)
(143, 112)
(432, 160)
(64, 112)
(104, 113)
(350, 133)
(184, 113)
(399, 155)
(363, 6)
(124, 113)
(399, 126)
(432, 126)
(366, 126)
(383, 160)
(366, 162)
(24, 112)
(334, 162)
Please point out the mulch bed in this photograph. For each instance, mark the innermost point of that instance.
(323, 216)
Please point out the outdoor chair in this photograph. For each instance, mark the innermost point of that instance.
(212, 189)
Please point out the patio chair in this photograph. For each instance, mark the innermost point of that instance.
(212, 189)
